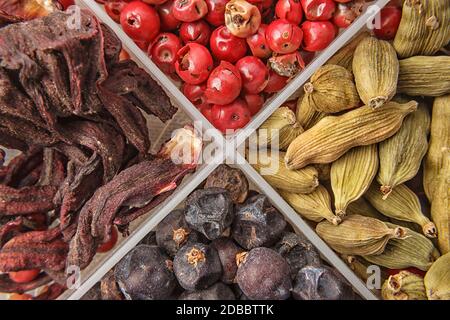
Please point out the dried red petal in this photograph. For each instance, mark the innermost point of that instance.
(10, 230)
(9, 286)
(34, 250)
(51, 292)
(29, 9)
(26, 200)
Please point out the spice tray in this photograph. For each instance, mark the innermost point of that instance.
(256, 183)
(103, 263)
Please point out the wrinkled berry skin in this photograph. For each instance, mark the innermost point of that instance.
(298, 252)
(227, 250)
(200, 274)
(264, 275)
(145, 274)
(173, 232)
(218, 291)
(209, 211)
(321, 283)
(257, 223)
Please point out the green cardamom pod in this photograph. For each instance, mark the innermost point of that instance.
(437, 279)
(404, 285)
(402, 204)
(307, 117)
(314, 206)
(358, 235)
(344, 57)
(269, 131)
(364, 208)
(401, 155)
(413, 250)
(352, 174)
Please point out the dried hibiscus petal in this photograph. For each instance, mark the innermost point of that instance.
(29, 9)
(52, 172)
(10, 229)
(26, 200)
(22, 166)
(51, 292)
(34, 250)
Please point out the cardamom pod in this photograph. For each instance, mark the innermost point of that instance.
(288, 134)
(402, 204)
(401, 154)
(314, 206)
(404, 285)
(361, 267)
(437, 279)
(358, 235)
(376, 68)
(324, 170)
(424, 76)
(333, 136)
(424, 28)
(436, 180)
(364, 208)
(414, 250)
(344, 57)
(269, 131)
(352, 174)
(331, 89)
(307, 117)
(273, 169)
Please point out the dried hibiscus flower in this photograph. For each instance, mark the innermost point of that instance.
(28, 9)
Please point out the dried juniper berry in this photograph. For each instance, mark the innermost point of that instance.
(218, 291)
(145, 273)
(257, 223)
(230, 179)
(321, 283)
(197, 266)
(263, 274)
(209, 211)
(227, 250)
(297, 251)
(173, 232)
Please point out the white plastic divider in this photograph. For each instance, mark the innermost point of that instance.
(299, 80)
(144, 228)
(295, 219)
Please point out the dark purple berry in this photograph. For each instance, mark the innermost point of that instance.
(173, 232)
(321, 283)
(197, 266)
(263, 274)
(227, 250)
(257, 223)
(230, 179)
(298, 252)
(145, 273)
(218, 291)
(209, 211)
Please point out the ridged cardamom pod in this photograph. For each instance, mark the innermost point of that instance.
(333, 136)
(436, 180)
(288, 134)
(344, 57)
(331, 89)
(352, 174)
(437, 279)
(414, 250)
(358, 235)
(404, 285)
(402, 204)
(424, 28)
(376, 68)
(401, 155)
(424, 76)
(307, 117)
(314, 206)
(324, 170)
(273, 169)
(364, 208)
(361, 267)
(269, 131)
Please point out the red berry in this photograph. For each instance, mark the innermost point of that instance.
(291, 10)
(216, 12)
(389, 21)
(154, 2)
(195, 93)
(283, 36)
(276, 82)
(254, 73)
(254, 102)
(194, 63)
(225, 46)
(197, 31)
(344, 16)
(318, 10)
(317, 35)
(164, 51)
(140, 21)
(258, 43)
(114, 9)
(168, 21)
(189, 10)
(224, 84)
(230, 117)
